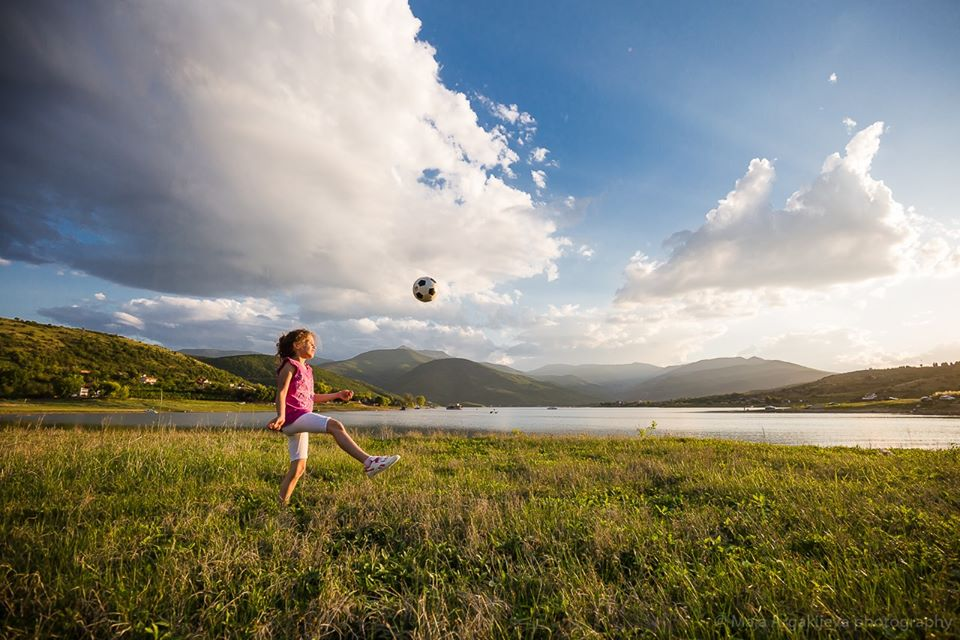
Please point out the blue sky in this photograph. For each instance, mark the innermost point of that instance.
(652, 182)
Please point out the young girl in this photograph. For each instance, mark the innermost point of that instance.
(295, 417)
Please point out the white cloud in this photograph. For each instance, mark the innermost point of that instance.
(509, 113)
(938, 257)
(539, 154)
(366, 326)
(833, 78)
(522, 126)
(100, 296)
(128, 320)
(178, 312)
(539, 178)
(845, 227)
(585, 251)
(850, 124)
(492, 298)
(300, 145)
(4, 263)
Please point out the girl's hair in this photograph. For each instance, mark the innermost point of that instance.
(289, 342)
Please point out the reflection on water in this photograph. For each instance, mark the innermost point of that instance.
(863, 430)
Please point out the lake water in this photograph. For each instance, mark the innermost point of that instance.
(824, 429)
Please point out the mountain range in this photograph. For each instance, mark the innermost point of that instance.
(434, 374)
(447, 380)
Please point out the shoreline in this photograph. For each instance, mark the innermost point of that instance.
(940, 412)
(138, 405)
(941, 409)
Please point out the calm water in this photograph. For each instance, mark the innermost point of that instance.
(863, 430)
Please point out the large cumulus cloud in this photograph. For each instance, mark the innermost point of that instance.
(845, 227)
(237, 149)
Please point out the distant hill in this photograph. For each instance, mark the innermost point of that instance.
(578, 385)
(451, 380)
(381, 367)
(605, 381)
(263, 370)
(40, 360)
(433, 353)
(504, 368)
(720, 376)
(618, 374)
(581, 384)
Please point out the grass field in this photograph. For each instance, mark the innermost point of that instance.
(162, 533)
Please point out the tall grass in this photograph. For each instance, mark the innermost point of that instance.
(176, 533)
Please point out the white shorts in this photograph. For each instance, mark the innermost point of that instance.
(298, 433)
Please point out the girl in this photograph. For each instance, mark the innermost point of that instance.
(295, 417)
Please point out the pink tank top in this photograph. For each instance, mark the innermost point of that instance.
(300, 391)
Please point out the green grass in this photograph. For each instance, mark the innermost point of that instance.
(109, 532)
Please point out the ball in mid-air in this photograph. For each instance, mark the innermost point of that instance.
(424, 288)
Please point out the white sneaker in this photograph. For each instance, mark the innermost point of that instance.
(376, 464)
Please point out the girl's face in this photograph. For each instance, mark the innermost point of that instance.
(307, 348)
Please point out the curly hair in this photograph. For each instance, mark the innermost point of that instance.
(288, 343)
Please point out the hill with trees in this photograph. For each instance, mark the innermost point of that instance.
(262, 369)
(899, 382)
(46, 361)
(923, 389)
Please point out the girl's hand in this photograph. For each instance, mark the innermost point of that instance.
(276, 423)
(345, 395)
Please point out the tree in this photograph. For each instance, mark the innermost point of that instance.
(111, 389)
(421, 401)
(68, 385)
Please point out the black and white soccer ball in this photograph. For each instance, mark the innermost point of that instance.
(424, 288)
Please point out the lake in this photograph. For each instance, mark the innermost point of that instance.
(869, 430)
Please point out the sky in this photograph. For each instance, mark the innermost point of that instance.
(657, 182)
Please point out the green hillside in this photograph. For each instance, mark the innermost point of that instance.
(457, 380)
(258, 368)
(43, 361)
(846, 391)
(262, 369)
(901, 382)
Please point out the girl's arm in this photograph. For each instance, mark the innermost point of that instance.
(345, 394)
(283, 384)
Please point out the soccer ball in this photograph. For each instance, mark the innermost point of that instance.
(424, 289)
